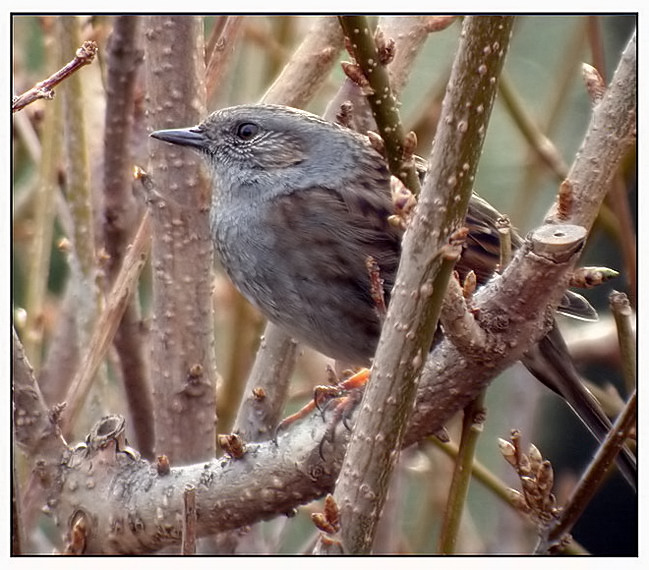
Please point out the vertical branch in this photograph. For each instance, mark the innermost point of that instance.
(121, 213)
(182, 352)
(82, 254)
(77, 167)
(412, 314)
(39, 258)
(588, 179)
(309, 65)
(372, 52)
(472, 426)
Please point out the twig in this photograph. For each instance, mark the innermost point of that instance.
(596, 164)
(221, 52)
(591, 479)
(372, 52)
(267, 385)
(538, 141)
(121, 216)
(309, 66)
(41, 246)
(617, 199)
(472, 426)
(504, 227)
(83, 259)
(45, 89)
(460, 325)
(409, 36)
(623, 314)
(107, 323)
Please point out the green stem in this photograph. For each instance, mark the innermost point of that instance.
(77, 167)
(39, 259)
(382, 101)
(494, 484)
(623, 315)
(471, 429)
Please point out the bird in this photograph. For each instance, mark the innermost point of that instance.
(298, 206)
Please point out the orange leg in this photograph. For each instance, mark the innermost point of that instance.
(323, 394)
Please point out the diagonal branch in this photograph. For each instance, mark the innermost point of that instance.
(421, 280)
(269, 478)
(45, 89)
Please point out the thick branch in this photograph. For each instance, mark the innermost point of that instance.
(272, 479)
(183, 365)
(121, 215)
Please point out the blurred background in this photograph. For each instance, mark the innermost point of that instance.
(542, 95)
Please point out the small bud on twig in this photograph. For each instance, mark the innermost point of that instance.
(589, 277)
(384, 47)
(595, 85)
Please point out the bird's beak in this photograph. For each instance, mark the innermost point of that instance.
(185, 137)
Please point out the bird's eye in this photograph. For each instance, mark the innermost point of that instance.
(246, 131)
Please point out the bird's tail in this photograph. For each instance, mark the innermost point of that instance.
(550, 362)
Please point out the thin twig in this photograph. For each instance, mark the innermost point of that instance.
(221, 53)
(591, 479)
(623, 314)
(372, 52)
(267, 385)
(309, 66)
(472, 425)
(45, 89)
(542, 146)
(43, 228)
(107, 323)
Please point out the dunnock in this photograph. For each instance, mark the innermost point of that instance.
(298, 206)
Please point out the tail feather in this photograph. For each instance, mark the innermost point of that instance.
(550, 362)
